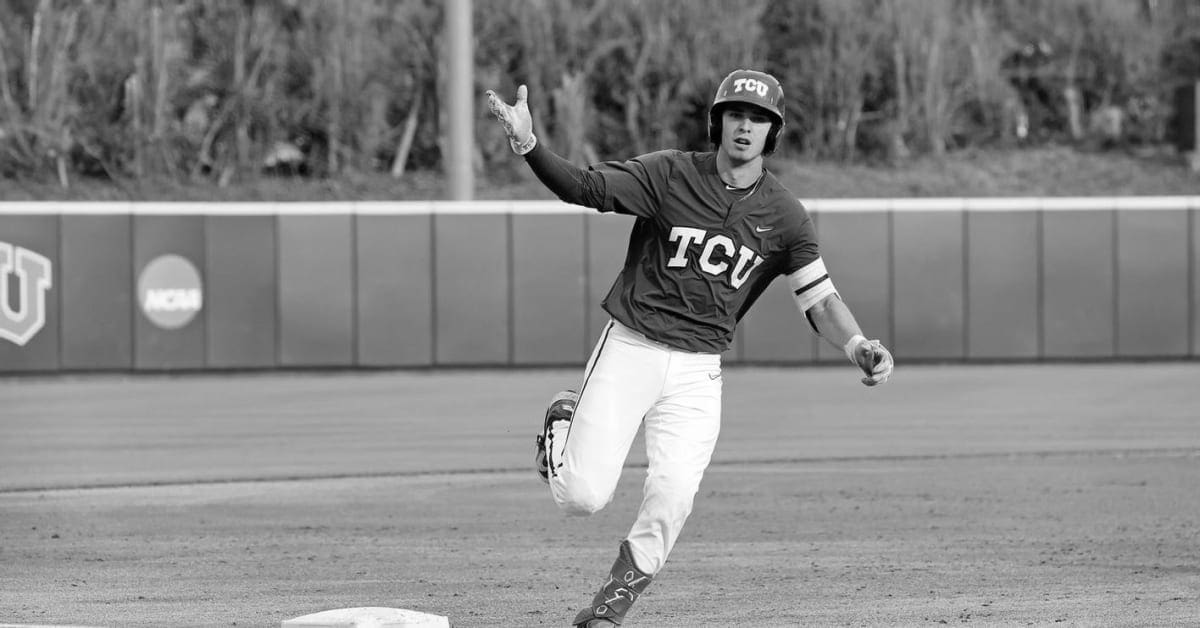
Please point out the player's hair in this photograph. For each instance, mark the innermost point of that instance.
(753, 87)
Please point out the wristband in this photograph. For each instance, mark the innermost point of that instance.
(522, 149)
(851, 344)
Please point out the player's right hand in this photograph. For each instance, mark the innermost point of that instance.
(515, 118)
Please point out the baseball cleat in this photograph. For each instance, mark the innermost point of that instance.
(561, 408)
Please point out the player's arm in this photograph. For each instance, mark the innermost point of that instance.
(566, 180)
(816, 297)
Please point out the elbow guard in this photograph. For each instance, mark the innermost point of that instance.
(810, 285)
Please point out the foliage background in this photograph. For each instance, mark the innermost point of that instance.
(185, 98)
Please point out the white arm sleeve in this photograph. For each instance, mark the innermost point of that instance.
(810, 284)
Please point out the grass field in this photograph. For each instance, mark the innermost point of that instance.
(977, 495)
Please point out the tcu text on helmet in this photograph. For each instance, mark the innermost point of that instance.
(716, 254)
(751, 85)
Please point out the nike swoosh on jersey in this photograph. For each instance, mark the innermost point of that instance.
(762, 229)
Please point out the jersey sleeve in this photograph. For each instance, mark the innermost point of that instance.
(569, 182)
(807, 277)
(636, 186)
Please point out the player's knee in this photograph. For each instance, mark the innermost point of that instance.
(581, 499)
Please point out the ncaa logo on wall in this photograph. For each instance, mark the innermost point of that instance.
(34, 274)
(169, 291)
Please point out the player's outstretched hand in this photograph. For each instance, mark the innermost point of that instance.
(874, 359)
(515, 118)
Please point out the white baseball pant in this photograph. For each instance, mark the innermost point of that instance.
(629, 380)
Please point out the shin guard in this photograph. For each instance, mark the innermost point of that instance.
(625, 583)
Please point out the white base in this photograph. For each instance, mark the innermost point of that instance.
(368, 617)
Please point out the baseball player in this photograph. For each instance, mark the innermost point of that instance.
(711, 230)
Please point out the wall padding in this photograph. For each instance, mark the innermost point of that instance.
(156, 347)
(30, 317)
(928, 285)
(857, 251)
(1194, 271)
(1002, 285)
(98, 304)
(316, 290)
(1078, 291)
(472, 269)
(395, 290)
(549, 289)
(242, 300)
(1152, 283)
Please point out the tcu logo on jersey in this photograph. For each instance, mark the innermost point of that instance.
(716, 254)
(750, 85)
(35, 274)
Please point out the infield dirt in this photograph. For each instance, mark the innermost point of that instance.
(983, 495)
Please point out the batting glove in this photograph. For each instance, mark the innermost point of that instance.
(518, 124)
(872, 357)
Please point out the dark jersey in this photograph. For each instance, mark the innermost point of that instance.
(699, 254)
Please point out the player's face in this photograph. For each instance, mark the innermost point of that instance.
(744, 130)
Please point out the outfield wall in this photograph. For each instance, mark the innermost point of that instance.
(171, 286)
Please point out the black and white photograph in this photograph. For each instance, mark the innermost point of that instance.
(419, 313)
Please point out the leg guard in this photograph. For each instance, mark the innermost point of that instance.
(625, 583)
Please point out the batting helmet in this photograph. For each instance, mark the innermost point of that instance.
(753, 87)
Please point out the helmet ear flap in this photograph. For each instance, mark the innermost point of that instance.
(773, 138)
